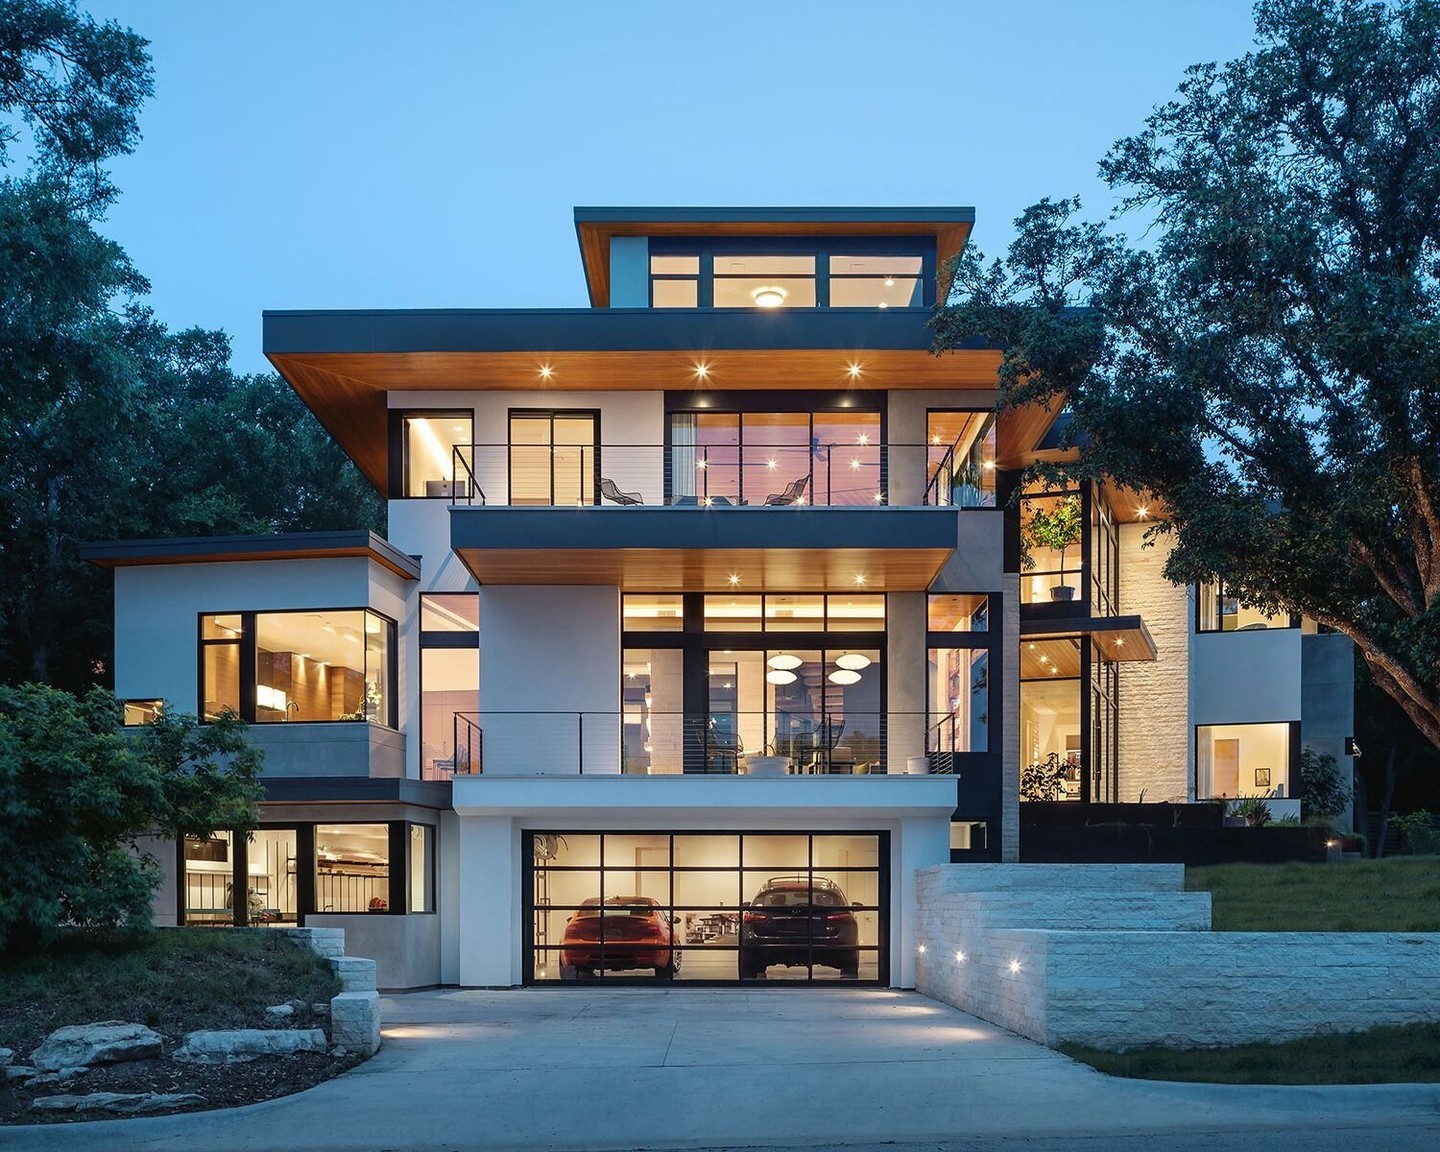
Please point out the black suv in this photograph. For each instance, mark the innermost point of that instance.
(799, 920)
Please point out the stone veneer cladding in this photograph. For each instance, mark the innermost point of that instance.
(1010, 725)
(1155, 739)
(1119, 956)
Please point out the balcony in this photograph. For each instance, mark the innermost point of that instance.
(641, 742)
(857, 474)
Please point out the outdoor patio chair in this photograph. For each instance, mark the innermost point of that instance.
(610, 491)
(793, 491)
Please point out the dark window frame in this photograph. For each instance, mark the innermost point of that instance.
(883, 905)
(1201, 630)
(399, 456)
(592, 413)
(248, 665)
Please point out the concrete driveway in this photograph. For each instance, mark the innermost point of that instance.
(632, 1068)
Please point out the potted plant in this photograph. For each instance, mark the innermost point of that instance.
(1058, 528)
(1251, 809)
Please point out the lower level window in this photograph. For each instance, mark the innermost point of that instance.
(707, 906)
(1236, 760)
(352, 867)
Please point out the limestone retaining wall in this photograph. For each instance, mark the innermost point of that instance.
(1120, 956)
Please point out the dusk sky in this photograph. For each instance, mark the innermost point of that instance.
(308, 154)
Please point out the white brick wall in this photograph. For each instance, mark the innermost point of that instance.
(1119, 956)
(1154, 695)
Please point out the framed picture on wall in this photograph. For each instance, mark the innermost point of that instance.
(1262, 777)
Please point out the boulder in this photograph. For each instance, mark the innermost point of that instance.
(108, 1042)
(7, 1057)
(63, 1076)
(280, 1010)
(117, 1102)
(245, 1044)
(20, 1072)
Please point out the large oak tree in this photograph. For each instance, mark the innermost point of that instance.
(1263, 356)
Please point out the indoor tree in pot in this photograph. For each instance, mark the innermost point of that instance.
(1058, 528)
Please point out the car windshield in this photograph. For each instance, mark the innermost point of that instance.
(800, 897)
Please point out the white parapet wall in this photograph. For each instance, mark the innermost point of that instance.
(1120, 956)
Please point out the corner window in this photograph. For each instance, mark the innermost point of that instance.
(275, 667)
(435, 446)
(1221, 611)
(960, 459)
(1237, 760)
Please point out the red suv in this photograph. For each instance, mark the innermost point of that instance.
(638, 934)
(799, 920)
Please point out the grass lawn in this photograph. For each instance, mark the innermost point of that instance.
(1408, 1053)
(1396, 895)
(173, 980)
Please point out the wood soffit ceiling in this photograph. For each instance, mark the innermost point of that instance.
(710, 570)
(347, 390)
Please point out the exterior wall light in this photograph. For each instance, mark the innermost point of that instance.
(920, 948)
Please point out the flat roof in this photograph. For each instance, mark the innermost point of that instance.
(594, 227)
(356, 543)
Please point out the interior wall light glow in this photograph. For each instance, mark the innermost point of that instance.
(784, 660)
(780, 676)
(844, 676)
(854, 661)
(768, 296)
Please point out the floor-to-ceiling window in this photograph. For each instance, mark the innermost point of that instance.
(706, 906)
(554, 457)
(1051, 723)
(960, 458)
(449, 680)
(711, 682)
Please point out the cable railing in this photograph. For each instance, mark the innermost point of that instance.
(642, 741)
(836, 474)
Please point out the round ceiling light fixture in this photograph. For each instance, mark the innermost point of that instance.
(844, 676)
(785, 662)
(853, 661)
(768, 296)
(780, 676)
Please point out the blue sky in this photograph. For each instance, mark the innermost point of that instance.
(322, 154)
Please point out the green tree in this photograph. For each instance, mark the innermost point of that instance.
(111, 426)
(1266, 365)
(77, 792)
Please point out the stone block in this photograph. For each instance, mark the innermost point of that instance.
(108, 1042)
(355, 1021)
(356, 974)
(116, 1102)
(244, 1044)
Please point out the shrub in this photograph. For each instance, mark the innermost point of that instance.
(1418, 833)
(1323, 791)
(78, 790)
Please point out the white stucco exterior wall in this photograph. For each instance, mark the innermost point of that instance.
(550, 679)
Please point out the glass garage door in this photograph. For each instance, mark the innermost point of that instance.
(633, 907)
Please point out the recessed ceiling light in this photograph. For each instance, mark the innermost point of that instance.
(883, 304)
(1120, 642)
(734, 579)
(859, 578)
(1142, 512)
(702, 370)
(889, 281)
(546, 371)
(863, 438)
(854, 369)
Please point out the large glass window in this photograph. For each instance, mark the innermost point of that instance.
(653, 712)
(1220, 611)
(554, 457)
(876, 282)
(1051, 534)
(749, 281)
(1050, 719)
(207, 887)
(959, 718)
(794, 612)
(420, 868)
(706, 907)
(674, 281)
(773, 459)
(352, 867)
(644, 612)
(309, 666)
(430, 444)
(960, 459)
(1104, 560)
(1234, 760)
(272, 876)
(449, 677)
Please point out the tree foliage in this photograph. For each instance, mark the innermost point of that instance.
(77, 792)
(1265, 359)
(110, 425)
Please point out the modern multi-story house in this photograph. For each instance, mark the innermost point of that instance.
(707, 614)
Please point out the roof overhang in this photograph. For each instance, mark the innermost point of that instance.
(342, 364)
(740, 550)
(1118, 637)
(949, 227)
(234, 549)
